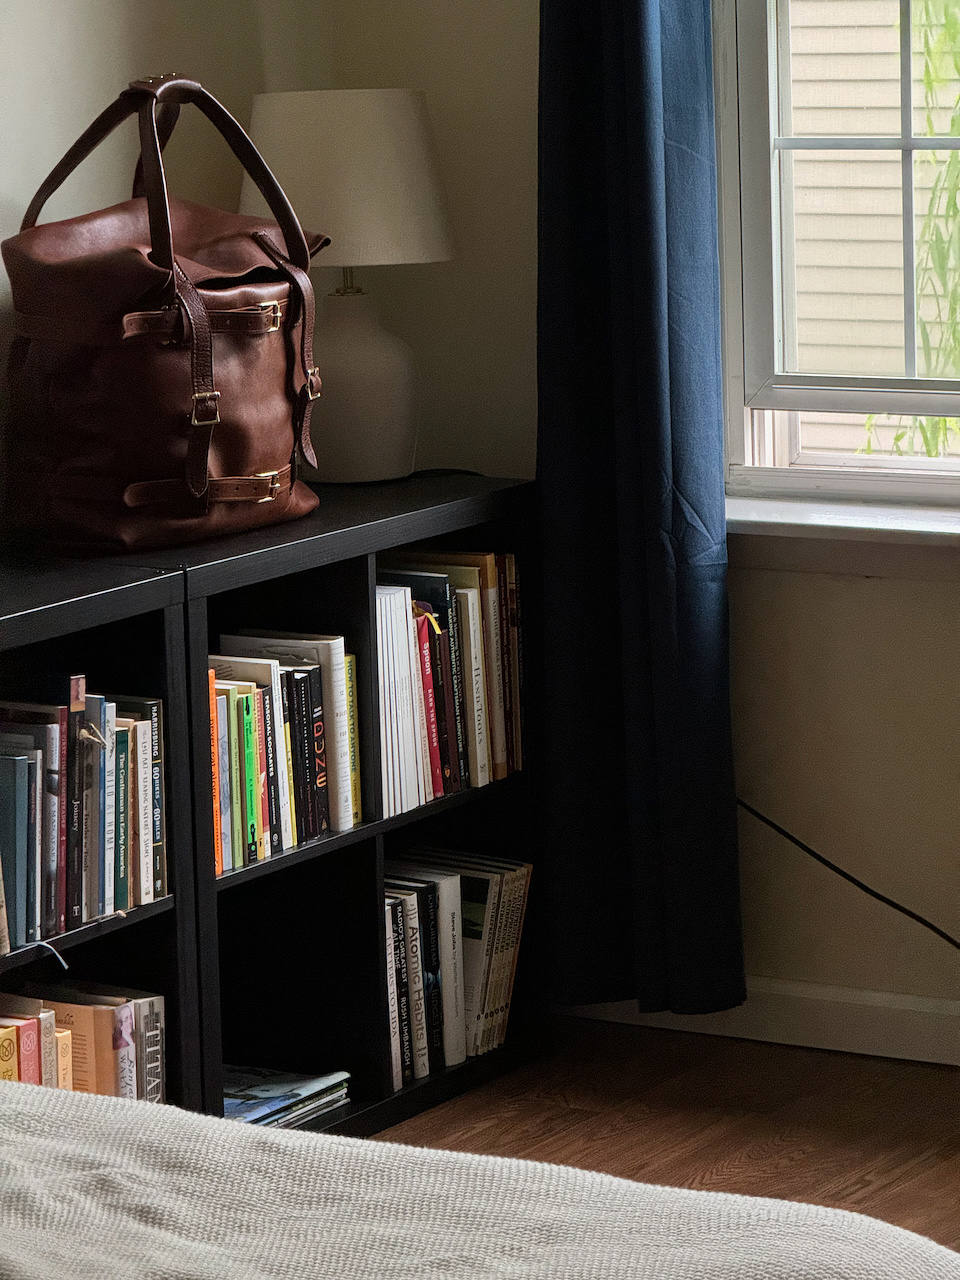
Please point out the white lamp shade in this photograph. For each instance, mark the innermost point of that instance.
(356, 165)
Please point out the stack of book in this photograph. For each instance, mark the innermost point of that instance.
(82, 829)
(259, 1095)
(453, 925)
(449, 671)
(91, 1039)
(283, 743)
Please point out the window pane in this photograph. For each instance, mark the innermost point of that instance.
(880, 436)
(936, 67)
(844, 68)
(937, 219)
(842, 262)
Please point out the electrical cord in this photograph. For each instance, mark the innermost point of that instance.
(832, 866)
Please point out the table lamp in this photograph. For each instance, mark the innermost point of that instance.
(356, 164)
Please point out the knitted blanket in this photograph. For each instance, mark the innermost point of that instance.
(102, 1189)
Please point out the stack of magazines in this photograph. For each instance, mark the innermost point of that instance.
(260, 1095)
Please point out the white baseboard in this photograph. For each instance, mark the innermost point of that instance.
(880, 1023)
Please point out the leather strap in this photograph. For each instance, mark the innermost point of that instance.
(205, 413)
(248, 321)
(259, 488)
(312, 382)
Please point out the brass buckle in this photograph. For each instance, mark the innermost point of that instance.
(311, 374)
(205, 422)
(276, 315)
(274, 478)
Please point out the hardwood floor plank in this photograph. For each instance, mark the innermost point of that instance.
(872, 1135)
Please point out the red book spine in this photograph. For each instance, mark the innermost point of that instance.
(28, 1047)
(426, 671)
(263, 852)
(215, 772)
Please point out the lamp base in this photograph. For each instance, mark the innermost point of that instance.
(363, 426)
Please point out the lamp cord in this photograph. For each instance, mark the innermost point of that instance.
(845, 875)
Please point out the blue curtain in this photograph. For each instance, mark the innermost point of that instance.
(643, 881)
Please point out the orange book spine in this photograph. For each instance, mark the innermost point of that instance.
(28, 1047)
(215, 773)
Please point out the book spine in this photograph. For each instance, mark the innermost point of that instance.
(222, 798)
(47, 1025)
(145, 816)
(91, 810)
(98, 706)
(430, 951)
(337, 733)
(150, 1040)
(237, 841)
(403, 990)
(74, 870)
(13, 843)
(300, 728)
(449, 708)
(411, 773)
(350, 671)
(110, 809)
(215, 771)
(424, 772)
(273, 772)
(386, 766)
(504, 606)
(424, 627)
(125, 1049)
(419, 1040)
(63, 819)
(492, 919)
(288, 759)
(28, 1048)
(263, 816)
(512, 969)
(393, 1008)
(278, 717)
(121, 876)
(247, 732)
(157, 805)
(319, 749)
(493, 673)
(513, 566)
(34, 846)
(9, 1066)
(64, 1042)
(51, 832)
(459, 682)
(504, 937)
(477, 746)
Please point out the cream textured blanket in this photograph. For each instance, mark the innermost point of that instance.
(101, 1189)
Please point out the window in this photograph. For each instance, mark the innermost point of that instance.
(840, 195)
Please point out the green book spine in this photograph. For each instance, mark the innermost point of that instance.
(250, 761)
(236, 776)
(121, 874)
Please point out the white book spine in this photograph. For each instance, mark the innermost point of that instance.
(424, 778)
(223, 761)
(333, 671)
(125, 1047)
(396, 1062)
(110, 817)
(393, 706)
(493, 672)
(409, 798)
(48, 1047)
(417, 1003)
(450, 932)
(472, 658)
(141, 737)
(386, 776)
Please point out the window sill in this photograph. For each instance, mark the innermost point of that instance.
(849, 521)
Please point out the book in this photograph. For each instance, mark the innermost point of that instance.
(94, 736)
(223, 781)
(291, 648)
(9, 1066)
(393, 1008)
(42, 737)
(140, 825)
(403, 988)
(428, 924)
(288, 744)
(64, 1042)
(110, 810)
(389, 738)
(450, 939)
(318, 746)
(12, 1006)
(121, 872)
(252, 819)
(416, 1001)
(301, 724)
(14, 803)
(228, 690)
(15, 744)
(215, 771)
(151, 710)
(270, 732)
(28, 1047)
(425, 623)
(434, 589)
(74, 817)
(260, 1095)
(457, 565)
(503, 601)
(478, 754)
(264, 833)
(350, 667)
(92, 1054)
(513, 616)
(237, 662)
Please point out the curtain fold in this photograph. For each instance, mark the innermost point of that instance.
(641, 818)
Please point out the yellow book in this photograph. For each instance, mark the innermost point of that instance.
(350, 663)
(9, 1064)
(65, 1060)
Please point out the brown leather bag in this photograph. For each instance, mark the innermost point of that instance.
(159, 398)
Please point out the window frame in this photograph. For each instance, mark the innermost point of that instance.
(750, 289)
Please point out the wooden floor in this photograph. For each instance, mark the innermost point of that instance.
(873, 1135)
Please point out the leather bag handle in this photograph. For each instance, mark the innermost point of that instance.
(149, 98)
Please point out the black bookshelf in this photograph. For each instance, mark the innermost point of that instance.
(279, 964)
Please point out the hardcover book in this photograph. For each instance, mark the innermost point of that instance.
(14, 804)
(151, 710)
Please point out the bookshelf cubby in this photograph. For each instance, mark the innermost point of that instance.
(279, 963)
